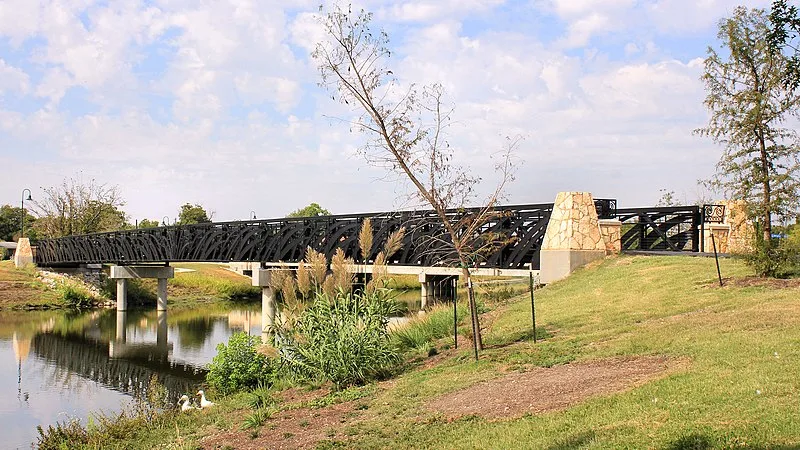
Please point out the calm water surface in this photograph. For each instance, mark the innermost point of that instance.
(59, 365)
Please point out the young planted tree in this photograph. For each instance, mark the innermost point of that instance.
(407, 129)
(77, 206)
(749, 102)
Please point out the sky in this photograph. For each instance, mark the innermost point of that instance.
(217, 102)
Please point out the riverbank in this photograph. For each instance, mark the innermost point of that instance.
(632, 352)
(28, 289)
(193, 285)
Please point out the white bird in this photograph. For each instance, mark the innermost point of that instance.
(185, 405)
(204, 403)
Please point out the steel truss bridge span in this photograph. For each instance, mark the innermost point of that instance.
(286, 239)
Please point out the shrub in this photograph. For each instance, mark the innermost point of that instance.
(138, 292)
(74, 297)
(239, 292)
(781, 259)
(341, 338)
(238, 365)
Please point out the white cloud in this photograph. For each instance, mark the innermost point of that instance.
(691, 15)
(12, 79)
(226, 111)
(429, 10)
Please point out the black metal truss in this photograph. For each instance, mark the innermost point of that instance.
(674, 228)
(426, 243)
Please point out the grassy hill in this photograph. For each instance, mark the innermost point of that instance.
(634, 352)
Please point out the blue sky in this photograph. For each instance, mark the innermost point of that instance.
(216, 102)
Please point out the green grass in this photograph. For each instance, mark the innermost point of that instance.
(422, 331)
(731, 390)
(205, 283)
(214, 280)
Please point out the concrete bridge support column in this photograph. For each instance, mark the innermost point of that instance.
(122, 322)
(124, 273)
(122, 294)
(161, 329)
(426, 290)
(161, 302)
(263, 279)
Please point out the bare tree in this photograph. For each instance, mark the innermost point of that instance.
(407, 131)
(78, 207)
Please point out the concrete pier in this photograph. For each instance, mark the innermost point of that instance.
(426, 290)
(263, 278)
(124, 273)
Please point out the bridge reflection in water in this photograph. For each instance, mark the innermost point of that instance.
(117, 363)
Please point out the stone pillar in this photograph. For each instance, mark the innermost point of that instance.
(721, 234)
(161, 302)
(742, 232)
(573, 236)
(424, 288)
(611, 230)
(24, 254)
(263, 279)
(122, 294)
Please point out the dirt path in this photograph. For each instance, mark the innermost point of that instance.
(547, 389)
(294, 428)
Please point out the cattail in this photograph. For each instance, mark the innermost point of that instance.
(394, 243)
(341, 271)
(319, 266)
(303, 279)
(365, 240)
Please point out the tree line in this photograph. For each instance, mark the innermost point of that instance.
(77, 206)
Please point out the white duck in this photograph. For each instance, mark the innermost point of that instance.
(185, 405)
(204, 403)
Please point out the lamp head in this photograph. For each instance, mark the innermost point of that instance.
(29, 197)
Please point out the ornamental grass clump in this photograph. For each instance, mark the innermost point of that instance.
(341, 338)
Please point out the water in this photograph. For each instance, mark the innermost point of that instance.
(58, 365)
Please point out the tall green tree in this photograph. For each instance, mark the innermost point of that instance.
(312, 210)
(784, 37)
(10, 223)
(146, 223)
(77, 206)
(750, 102)
(191, 214)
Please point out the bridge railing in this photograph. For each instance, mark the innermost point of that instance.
(286, 239)
(674, 228)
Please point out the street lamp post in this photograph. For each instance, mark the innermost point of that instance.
(22, 226)
(253, 215)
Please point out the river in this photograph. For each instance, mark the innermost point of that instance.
(60, 365)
